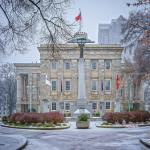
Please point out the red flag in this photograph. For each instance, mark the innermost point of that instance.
(61, 88)
(117, 82)
(78, 18)
(102, 86)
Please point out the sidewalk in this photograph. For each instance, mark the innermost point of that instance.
(146, 142)
(12, 142)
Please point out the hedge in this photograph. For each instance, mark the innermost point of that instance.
(135, 116)
(29, 118)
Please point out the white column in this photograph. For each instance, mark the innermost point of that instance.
(19, 87)
(19, 92)
(81, 79)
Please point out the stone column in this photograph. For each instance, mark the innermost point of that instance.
(81, 102)
(81, 79)
(102, 87)
(87, 79)
(30, 91)
(74, 79)
(19, 93)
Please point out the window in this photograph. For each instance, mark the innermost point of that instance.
(54, 85)
(107, 85)
(67, 85)
(107, 105)
(53, 105)
(67, 65)
(94, 105)
(24, 107)
(93, 64)
(67, 106)
(94, 85)
(54, 65)
(107, 64)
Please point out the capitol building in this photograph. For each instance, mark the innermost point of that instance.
(52, 84)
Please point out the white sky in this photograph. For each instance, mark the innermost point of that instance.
(93, 13)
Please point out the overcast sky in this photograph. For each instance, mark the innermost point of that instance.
(93, 13)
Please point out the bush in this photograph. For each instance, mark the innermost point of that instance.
(5, 118)
(83, 117)
(53, 117)
(67, 114)
(30, 118)
(96, 114)
(135, 116)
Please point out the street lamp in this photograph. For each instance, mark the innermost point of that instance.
(81, 39)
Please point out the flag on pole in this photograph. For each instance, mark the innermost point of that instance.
(117, 82)
(47, 81)
(61, 88)
(102, 86)
(78, 17)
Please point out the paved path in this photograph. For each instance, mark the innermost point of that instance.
(83, 139)
(12, 142)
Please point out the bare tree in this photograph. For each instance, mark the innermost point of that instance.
(22, 21)
(137, 24)
(8, 87)
(138, 3)
(136, 34)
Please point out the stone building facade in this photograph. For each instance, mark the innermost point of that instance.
(52, 84)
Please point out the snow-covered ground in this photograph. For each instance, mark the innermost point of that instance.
(83, 139)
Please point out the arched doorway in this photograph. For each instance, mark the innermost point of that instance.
(45, 105)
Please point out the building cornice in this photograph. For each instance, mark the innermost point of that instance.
(45, 47)
(27, 64)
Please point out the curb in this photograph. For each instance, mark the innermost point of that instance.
(23, 145)
(143, 125)
(130, 126)
(143, 141)
(110, 127)
(17, 142)
(30, 128)
(113, 127)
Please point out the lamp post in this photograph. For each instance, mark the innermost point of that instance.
(81, 39)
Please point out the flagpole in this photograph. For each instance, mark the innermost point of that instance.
(61, 87)
(80, 20)
(117, 100)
